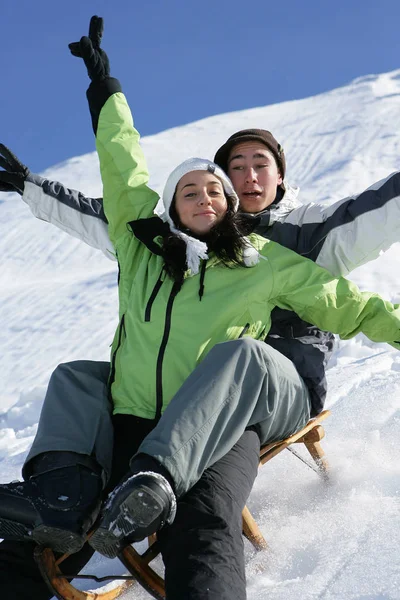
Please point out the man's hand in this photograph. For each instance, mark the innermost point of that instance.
(95, 59)
(14, 173)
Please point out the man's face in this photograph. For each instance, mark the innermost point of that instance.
(254, 174)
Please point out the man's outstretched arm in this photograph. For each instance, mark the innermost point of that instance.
(349, 233)
(51, 201)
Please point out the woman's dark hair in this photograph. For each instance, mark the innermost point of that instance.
(226, 240)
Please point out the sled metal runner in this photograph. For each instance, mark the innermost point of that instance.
(138, 564)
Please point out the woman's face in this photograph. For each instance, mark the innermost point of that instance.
(200, 201)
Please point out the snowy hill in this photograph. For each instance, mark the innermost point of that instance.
(58, 302)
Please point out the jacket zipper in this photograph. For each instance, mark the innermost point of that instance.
(244, 330)
(153, 296)
(114, 356)
(167, 327)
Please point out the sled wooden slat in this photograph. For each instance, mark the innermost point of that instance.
(252, 532)
(139, 564)
(270, 450)
(62, 588)
(310, 436)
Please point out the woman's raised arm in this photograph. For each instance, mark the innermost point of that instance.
(126, 194)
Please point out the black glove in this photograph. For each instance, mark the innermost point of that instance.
(95, 59)
(12, 179)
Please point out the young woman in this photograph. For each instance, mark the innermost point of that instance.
(190, 379)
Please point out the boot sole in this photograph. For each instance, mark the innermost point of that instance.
(11, 530)
(59, 540)
(138, 510)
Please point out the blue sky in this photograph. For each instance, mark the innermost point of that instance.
(179, 61)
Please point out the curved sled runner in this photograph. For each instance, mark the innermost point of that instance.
(139, 564)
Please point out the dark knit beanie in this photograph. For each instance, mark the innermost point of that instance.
(251, 135)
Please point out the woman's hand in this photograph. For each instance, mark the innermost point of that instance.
(88, 48)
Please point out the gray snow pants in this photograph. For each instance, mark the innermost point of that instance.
(240, 383)
(76, 414)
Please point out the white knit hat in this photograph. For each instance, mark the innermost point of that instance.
(195, 249)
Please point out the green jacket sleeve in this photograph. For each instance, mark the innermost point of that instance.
(331, 304)
(126, 194)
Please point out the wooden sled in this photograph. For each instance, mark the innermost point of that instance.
(138, 564)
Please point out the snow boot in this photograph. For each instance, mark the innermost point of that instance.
(57, 505)
(140, 506)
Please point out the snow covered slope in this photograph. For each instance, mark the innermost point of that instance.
(58, 302)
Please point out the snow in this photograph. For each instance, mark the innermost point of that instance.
(58, 302)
